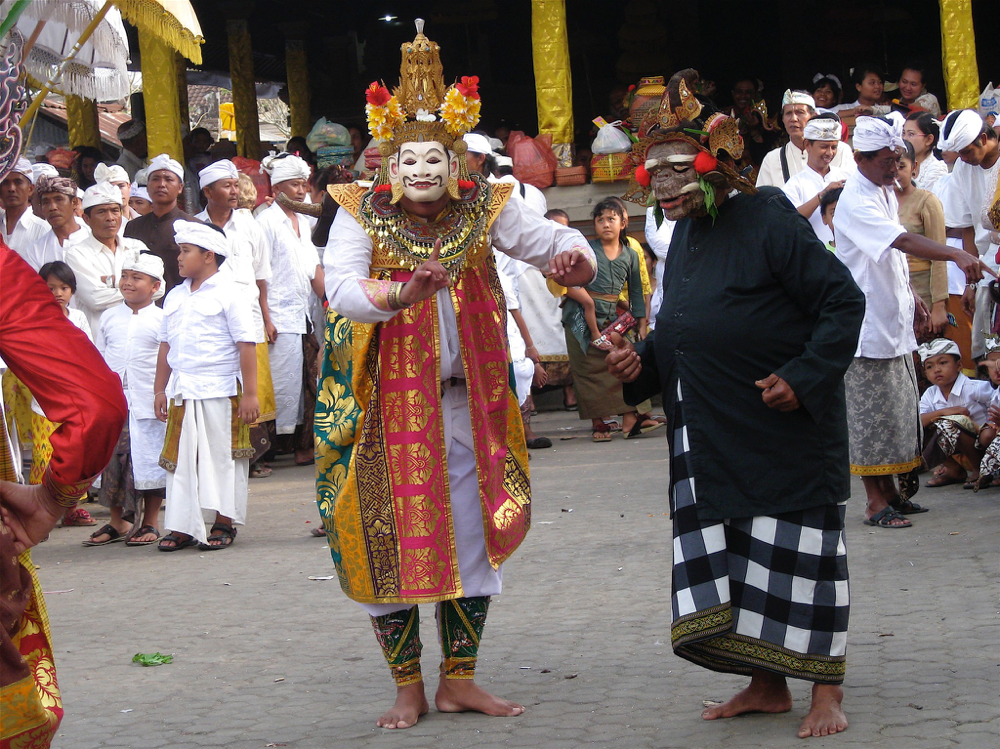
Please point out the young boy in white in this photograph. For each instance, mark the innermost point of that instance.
(128, 337)
(207, 364)
(952, 411)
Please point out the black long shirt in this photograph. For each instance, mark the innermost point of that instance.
(755, 293)
(157, 232)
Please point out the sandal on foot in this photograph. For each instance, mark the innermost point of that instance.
(943, 479)
(77, 517)
(538, 443)
(884, 519)
(179, 543)
(909, 507)
(143, 531)
(643, 427)
(601, 433)
(318, 532)
(108, 530)
(260, 471)
(220, 532)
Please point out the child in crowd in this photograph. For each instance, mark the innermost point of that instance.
(827, 210)
(62, 282)
(951, 412)
(989, 468)
(128, 338)
(208, 357)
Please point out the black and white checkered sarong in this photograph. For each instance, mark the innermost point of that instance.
(767, 592)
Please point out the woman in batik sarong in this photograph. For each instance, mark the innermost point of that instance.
(422, 469)
(952, 410)
(758, 324)
(588, 310)
(84, 398)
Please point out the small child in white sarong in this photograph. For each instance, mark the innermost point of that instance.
(989, 468)
(208, 363)
(128, 337)
(951, 412)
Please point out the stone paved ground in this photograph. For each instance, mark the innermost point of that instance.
(265, 657)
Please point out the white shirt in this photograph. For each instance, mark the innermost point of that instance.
(956, 278)
(250, 260)
(48, 249)
(28, 229)
(518, 231)
(930, 172)
(806, 185)
(534, 197)
(974, 395)
(508, 271)
(79, 320)
(965, 197)
(867, 224)
(98, 271)
(129, 341)
(770, 169)
(658, 239)
(294, 260)
(203, 329)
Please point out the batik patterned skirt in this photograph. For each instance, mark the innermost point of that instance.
(768, 592)
(883, 417)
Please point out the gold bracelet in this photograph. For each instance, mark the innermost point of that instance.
(392, 298)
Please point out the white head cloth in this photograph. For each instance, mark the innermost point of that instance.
(477, 143)
(201, 235)
(797, 97)
(874, 134)
(23, 166)
(165, 162)
(80, 193)
(103, 193)
(146, 262)
(113, 174)
(937, 347)
(820, 76)
(965, 126)
(992, 344)
(822, 128)
(505, 161)
(217, 170)
(142, 177)
(281, 167)
(43, 170)
(139, 191)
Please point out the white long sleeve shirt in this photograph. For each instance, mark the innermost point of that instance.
(129, 341)
(293, 265)
(28, 229)
(518, 231)
(98, 271)
(658, 238)
(975, 395)
(47, 248)
(770, 169)
(806, 185)
(250, 260)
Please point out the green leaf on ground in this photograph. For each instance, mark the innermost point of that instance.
(152, 659)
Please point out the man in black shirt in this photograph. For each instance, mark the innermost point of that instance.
(759, 323)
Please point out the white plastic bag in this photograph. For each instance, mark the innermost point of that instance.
(989, 101)
(611, 140)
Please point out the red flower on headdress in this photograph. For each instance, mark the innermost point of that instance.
(383, 188)
(642, 176)
(466, 184)
(377, 94)
(469, 86)
(705, 162)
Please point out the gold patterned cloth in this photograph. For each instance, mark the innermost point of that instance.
(382, 473)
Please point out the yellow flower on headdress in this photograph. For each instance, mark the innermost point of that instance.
(383, 110)
(460, 113)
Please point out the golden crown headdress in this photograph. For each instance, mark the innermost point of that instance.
(421, 108)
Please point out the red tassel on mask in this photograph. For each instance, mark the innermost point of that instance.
(642, 176)
(466, 184)
(705, 162)
(383, 188)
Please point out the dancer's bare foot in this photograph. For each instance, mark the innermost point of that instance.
(767, 693)
(411, 703)
(461, 695)
(825, 716)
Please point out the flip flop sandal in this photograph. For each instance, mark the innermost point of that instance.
(260, 472)
(109, 530)
(943, 480)
(884, 518)
(318, 533)
(142, 532)
(178, 542)
(77, 517)
(539, 443)
(908, 507)
(643, 427)
(219, 532)
(601, 433)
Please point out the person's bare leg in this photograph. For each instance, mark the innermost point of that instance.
(967, 447)
(151, 501)
(826, 716)
(569, 396)
(464, 695)
(411, 703)
(767, 693)
(881, 491)
(628, 421)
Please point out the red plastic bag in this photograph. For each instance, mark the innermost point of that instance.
(251, 168)
(534, 162)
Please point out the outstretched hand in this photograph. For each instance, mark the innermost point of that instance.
(429, 277)
(778, 394)
(571, 268)
(623, 360)
(29, 512)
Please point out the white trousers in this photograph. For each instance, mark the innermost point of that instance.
(145, 445)
(207, 478)
(286, 374)
(477, 575)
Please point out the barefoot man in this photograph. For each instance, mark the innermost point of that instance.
(757, 327)
(422, 469)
